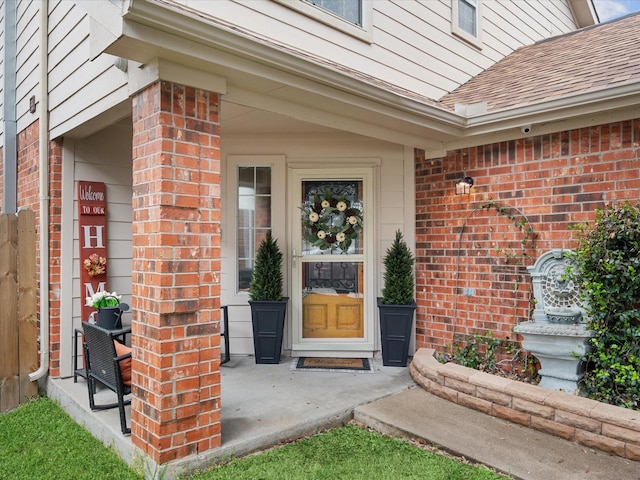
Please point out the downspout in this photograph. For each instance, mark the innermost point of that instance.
(9, 150)
(43, 147)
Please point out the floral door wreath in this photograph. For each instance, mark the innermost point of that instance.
(331, 221)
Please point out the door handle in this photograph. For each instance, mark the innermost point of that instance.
(294, 258)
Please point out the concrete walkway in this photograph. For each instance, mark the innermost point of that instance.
(518, 451)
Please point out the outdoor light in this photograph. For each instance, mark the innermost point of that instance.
(463, 187)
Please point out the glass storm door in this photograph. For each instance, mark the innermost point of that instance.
(331, 294)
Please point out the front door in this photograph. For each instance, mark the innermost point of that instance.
(331, 225)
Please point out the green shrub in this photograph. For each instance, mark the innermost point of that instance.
(398, 273)
(266, 280)
(606, 266)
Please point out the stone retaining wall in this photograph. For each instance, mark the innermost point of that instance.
(605, 427)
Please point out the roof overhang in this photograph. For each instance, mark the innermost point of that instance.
(271, 77)
(584, 12)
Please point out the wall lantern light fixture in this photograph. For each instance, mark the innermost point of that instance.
(463, 187)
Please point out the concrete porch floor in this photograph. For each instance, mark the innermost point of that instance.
(262, 406)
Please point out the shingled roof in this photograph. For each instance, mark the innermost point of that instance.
(586, 60)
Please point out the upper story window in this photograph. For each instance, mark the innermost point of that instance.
(466, 20)
(349, 16)
(350, 10)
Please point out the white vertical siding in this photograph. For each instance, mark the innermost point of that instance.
(27, 61)
(390, 212)
(106, 157)
(79, 89)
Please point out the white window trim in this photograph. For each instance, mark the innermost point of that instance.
(464, 35)
(278, 220)
(363, 32)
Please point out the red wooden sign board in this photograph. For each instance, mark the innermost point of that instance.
(92, 221)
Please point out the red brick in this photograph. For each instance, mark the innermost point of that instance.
(536, 175)
(172, 224)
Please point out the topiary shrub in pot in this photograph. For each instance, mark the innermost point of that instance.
(397, 304)
(268, 306)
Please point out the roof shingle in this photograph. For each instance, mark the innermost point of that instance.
(588, 59)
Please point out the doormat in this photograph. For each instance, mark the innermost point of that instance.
(344, 365)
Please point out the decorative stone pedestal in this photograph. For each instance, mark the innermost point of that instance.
(558, 336)
(559, 349)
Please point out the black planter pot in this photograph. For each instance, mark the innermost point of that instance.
(267, 318)
(109, 318)
(395, 329)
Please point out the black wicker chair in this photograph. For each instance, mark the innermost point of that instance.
(103, 366)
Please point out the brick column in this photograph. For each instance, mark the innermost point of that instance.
(175, 410)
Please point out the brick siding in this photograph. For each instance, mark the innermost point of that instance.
(28, 179)
(55, 252)
(551, 181)
(176, 272)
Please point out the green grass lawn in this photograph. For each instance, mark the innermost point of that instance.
(350, 453)
(40, 441)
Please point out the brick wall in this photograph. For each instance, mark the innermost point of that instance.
(28, 193)
(176, 272)
(55, 250)
(28, 177)
(28, 168)
(549, 182)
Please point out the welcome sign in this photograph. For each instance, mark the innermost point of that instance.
(92, 233)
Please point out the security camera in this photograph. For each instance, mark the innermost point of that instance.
(526, 129)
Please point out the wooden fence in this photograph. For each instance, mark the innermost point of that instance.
(18, 307)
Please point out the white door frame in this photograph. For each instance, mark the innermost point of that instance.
(360, 347)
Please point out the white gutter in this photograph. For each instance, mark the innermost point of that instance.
(619, 96)
(43, 144)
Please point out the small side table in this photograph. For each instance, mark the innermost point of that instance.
(82, 372)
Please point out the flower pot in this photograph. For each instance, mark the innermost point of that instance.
(267, 318)
(109, 318)
(395, 333)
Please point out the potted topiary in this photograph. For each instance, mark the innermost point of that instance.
(268, 306)
(397, 304)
